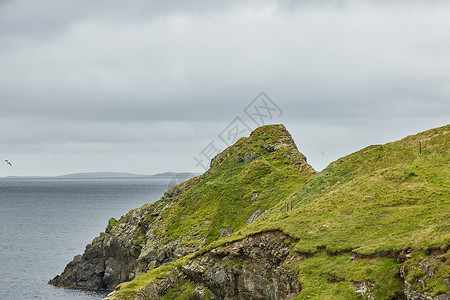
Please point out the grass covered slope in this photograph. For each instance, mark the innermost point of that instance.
(370, 206)
(381, 198)
(255, 173)
(372, 225)
(249, 177)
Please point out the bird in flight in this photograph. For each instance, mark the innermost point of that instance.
(8, 162)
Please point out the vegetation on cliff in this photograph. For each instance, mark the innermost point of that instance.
(249, 177)
(379, 202)
(255, 173)
(372, 225)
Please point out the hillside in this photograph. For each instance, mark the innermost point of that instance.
(372, 225)
(243, 181)
(376, 208)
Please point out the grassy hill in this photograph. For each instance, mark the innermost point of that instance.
(368, 225)
(243, 181)
(255, 173)
(382, 198)
(370, 204)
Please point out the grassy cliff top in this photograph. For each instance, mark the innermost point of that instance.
(255, 173)
(381, 198)
(365, 206)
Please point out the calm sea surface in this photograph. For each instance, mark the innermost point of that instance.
(44, 223)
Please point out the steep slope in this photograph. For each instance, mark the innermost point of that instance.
(243, 182)
(372, 225)
(381, 198)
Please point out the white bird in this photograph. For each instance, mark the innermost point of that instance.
(8, 162)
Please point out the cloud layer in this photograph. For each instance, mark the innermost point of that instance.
(156, 77)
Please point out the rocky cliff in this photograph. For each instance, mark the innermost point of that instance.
(262, 224)
(255, 267)
(194, 213)
(127, 248)
(263, 266)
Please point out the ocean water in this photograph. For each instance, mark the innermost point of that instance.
(44, 223)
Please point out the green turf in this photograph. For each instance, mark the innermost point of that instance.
(381, 199)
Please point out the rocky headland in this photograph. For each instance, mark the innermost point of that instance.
(262, 224)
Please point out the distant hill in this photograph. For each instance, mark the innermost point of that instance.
(102, 175)
(172, 174)
(93, 175)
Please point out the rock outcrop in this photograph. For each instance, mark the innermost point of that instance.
(418, 273)
(262, 141)
(227, 235)
(258, 213)
(168, 229)
(252, 268)
(255, 267)
(127, 248)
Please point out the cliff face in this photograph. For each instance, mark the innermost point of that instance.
(127, 248)
(261, 224)
(263, 266)
(252, 268)
(419, 274)
(230, 195)
(255, 267)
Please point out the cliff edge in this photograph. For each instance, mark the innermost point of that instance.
(262, 224)
(235, 190)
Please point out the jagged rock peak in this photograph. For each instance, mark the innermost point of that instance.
(263, 141)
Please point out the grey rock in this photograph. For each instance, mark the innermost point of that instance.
(366, 290)
(247, 157)
(225, 231)
(248, 269)
(127, 249)
(197, 294)
(254, 196)
(255, 215)
(426, 268)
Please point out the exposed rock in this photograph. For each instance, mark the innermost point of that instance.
(264, 140)
(147, 237)
(366, 290)
(258, 213)
(246, 157)
(127, 248)
(417, 289)
(251, 268)
(404, 255)
(157, 289)
(197, 294)
(226, 231)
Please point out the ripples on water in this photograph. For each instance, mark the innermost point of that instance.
(46, 222)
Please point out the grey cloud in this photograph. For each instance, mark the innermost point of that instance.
(80, 76)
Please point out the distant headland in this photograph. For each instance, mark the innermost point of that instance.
(99, 175)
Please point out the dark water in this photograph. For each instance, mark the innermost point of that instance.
(44, 223)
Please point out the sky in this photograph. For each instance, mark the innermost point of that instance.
(148, 86)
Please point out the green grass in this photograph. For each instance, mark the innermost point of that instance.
(381, 199)
(181, 291)
(127, 290)
(337, 277)
(369, 204)
(232, 190)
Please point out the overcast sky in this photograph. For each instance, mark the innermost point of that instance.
(145, 86)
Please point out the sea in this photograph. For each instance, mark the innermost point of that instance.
(45, 222)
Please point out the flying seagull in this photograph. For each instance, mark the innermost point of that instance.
(8, 162)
